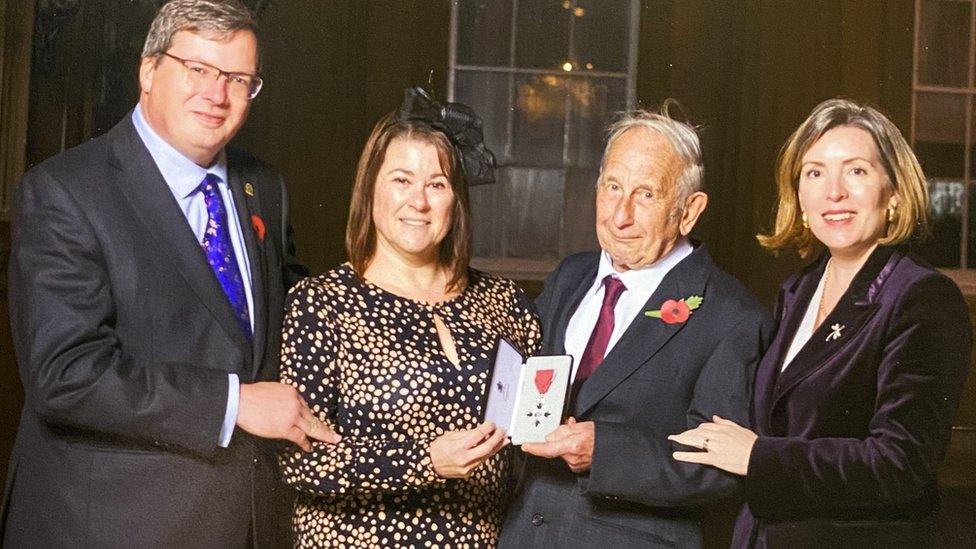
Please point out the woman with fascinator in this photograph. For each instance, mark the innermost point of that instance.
(392, 349)
(854, 401)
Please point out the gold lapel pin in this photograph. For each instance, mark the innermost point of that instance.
(249, 189)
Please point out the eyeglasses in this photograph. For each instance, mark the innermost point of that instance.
(239, 84)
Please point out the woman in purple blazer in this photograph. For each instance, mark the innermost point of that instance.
(854, 401)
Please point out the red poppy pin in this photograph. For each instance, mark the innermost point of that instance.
(676, 311)
(258, 225)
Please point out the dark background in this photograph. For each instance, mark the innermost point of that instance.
(747, 71)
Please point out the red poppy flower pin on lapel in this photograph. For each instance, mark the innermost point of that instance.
(258, 225)
(676, 311)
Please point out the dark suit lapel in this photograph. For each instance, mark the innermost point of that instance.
(567, 303)
(646, 335)
(851, 313)
(141, 183)
(247, 203)
(795, 299)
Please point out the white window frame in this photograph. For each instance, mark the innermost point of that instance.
(963, 276)
(521, 268)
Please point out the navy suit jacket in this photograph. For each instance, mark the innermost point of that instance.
(851, 433)
(124, 340)
(657, 380)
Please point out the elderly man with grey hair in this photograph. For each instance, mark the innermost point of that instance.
(662, 340)
(148, 273)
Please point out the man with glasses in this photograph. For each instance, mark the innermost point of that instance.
(148, 272)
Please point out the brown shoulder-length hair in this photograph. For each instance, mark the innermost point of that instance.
(455, 250)
(902, 168)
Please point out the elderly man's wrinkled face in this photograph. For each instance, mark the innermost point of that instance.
(638, 218)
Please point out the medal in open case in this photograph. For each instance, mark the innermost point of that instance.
(527, 397)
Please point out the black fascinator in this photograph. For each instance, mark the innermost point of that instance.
(462, 127)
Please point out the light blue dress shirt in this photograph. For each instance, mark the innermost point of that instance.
(183, 176)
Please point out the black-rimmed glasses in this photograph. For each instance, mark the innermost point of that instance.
(200, 74)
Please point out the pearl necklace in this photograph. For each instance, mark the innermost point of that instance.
(823, 294)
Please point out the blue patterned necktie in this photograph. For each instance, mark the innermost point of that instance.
(220, 252)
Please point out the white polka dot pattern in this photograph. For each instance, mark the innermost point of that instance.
(370, 363)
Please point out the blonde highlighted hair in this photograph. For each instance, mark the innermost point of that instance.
(900, 164)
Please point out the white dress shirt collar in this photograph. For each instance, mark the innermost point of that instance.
(646, 279)
(181, 174)
(640, 284)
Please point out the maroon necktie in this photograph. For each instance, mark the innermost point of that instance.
(596, 347)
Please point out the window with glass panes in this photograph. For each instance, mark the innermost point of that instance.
(943, 103)
(547, 77)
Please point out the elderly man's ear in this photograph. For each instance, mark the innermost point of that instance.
(694, 206)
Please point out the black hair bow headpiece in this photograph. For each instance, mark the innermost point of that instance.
(462, 127)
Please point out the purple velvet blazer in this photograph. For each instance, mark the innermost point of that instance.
(851, 433)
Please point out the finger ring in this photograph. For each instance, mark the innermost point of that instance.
(705, 444)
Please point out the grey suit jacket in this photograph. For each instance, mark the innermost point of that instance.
(124, 340)
(657, 380)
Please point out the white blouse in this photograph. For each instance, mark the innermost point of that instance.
(805, 330)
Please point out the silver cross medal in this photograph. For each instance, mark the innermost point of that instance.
(835, 332)
(538, 413)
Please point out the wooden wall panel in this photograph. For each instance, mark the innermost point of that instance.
(332, 71)
(11, 395)
(309, 120)
(15, 58)
(15, 39)
(748, 71)
(797, 54)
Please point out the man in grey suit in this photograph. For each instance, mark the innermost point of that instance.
(662, 340)
(148, 271)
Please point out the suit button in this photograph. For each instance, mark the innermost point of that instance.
(538, 519)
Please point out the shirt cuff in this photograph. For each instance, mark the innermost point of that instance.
(230, 417)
